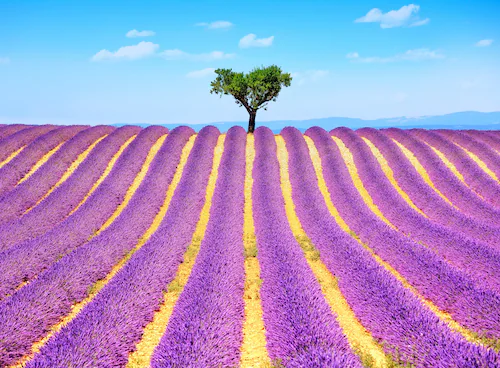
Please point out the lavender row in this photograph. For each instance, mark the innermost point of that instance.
(484, 152)
(444, 180)
(20, 165)
(109, 327)
(393, 315)
(29, 314)
(27, 194)
(7, 130)
(35, 255)
(449, 288)
(473, 175)
(485, 136)
(301, 330)
(205, 329)
(476, 259)
(425, 197)
(22, 138)
(55, 207)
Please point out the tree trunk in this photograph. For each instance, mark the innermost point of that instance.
(251, 121)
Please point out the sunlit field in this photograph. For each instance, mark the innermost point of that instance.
(137, 247)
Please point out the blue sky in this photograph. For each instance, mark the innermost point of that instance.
(151, 61)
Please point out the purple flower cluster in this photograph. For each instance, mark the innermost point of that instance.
(56, 206)
(70, 280)
(485, 153)
(34, 255)
(478, 260)
(301, 330)
(205, 329)
(425, 197)
(26, 194)
(15, 170)
(108, 328)
(474, 176)
(7, 130)
(21, 138)
(488, 137)
(445, 181)
(446, 286)
(389, 311)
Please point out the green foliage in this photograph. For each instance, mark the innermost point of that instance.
(253, 90)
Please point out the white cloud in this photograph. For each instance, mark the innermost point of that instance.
(4, 60)
(251, 40)
(135, 33)
(484, 43)
(309, 76)
(177, 54)
(220, 24)
(410, 55)
(141, 50)
(200, 73)
(405, 16)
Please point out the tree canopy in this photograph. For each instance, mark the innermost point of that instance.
(253, 90)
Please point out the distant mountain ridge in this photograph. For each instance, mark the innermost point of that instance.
(458, 120)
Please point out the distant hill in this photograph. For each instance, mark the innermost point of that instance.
(458, 120)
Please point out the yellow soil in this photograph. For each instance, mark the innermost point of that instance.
(40, 162)
(358, 337)
(444, 316)
(70, 170)
(479, 162)
(390, 175)
(156, 328)
(101, 283)
(253, 348)
(106, 172)
(353, 171)
(135, 184)
(11, 156)
(448, 163)
(420, 169)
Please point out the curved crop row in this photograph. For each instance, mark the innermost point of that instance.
(81, 269)
(477, 259)
(17, 141)
(301, 330)
(131, 247)
(7, 130)
(428, 200)
(27, 194)
(54, 208)
(452, 187)
(41, 148)
(473, 176)
(34, 255)
(205, 328)
(392, 313)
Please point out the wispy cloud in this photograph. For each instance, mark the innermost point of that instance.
(141, 50)
(484, 43)
(410, 55)
(135, 33)
(177, 54)
(307, 76)
(220, 24)
(200, 73)
(406, 16)
(4, 60)
(251, 40)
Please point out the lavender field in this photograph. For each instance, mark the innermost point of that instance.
(138, 247)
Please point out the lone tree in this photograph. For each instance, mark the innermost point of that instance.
(253, 90)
